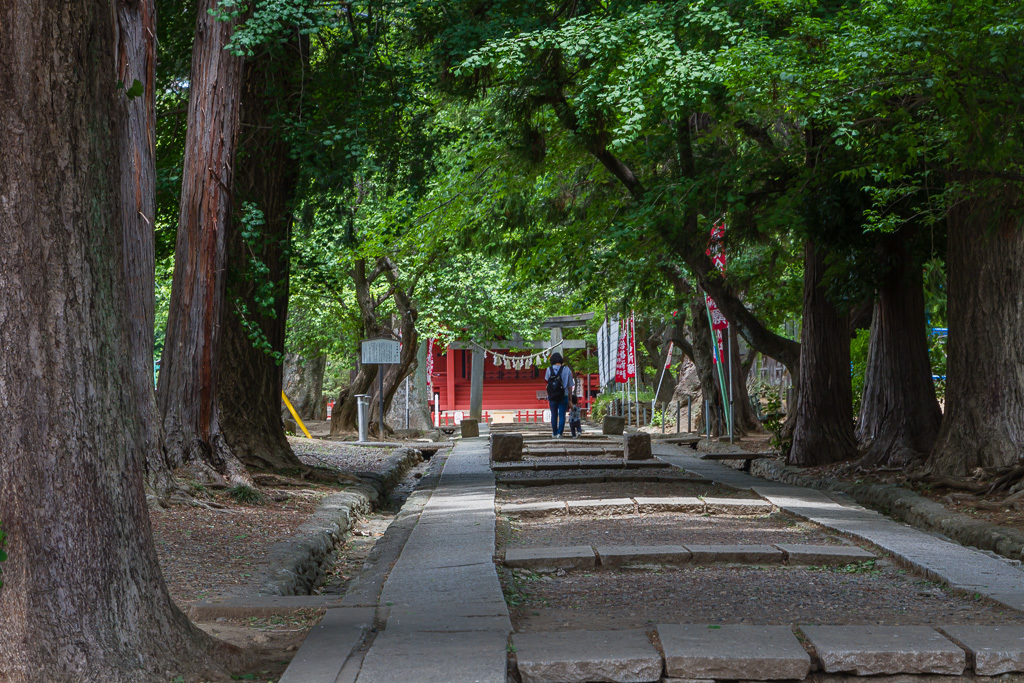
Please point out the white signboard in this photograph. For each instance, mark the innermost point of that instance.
(381, 352)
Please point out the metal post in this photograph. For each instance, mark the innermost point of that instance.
(707, 418)
(689, 415)
(731, 411)
(437, 409)
(406, 402)
(362, 403)
(380, 387)
(679, 408)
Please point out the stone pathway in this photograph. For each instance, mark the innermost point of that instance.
(446, 618)
(936, 558)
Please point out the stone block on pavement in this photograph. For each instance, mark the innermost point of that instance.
(470, 428)
(669, 504)
(580, 656)
(613, 556)
(637, 447)
(874, 650)
(506, 447)
(746, 554)
(732, 651)
(538, 509)
(993, 650)
(563, 557)
(799, 553)
(737, 506)
(613, 424)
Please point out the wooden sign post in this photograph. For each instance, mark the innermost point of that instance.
(380, 352)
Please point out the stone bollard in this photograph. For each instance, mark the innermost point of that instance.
(613, 424)
(470, 427)
(637, 447)
(506, 447)
(290, 426)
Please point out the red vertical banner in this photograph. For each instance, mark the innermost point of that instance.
(430, 368)
(620, 358)
(631, 348)
(668, 358)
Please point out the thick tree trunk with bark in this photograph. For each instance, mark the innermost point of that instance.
(823, 431)
(83, 598)
(252, 348)
(304, 384)
(187, 391)
(899, 416)
(135, 51)
(983, 425)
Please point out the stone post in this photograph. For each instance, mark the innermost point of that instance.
(476, 385)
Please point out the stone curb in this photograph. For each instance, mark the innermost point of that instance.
(908, 507)
(296, 564)
(640, 504)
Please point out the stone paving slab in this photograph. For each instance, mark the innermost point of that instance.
(329, 644)
(615, 556)
(936, 558)
(560, 557)
(670, 504)
(581, 656)
(873, 650)
(746, 554)
(427, 657)
(799, 553)
(992, 650)
(578, 464)
(737, 506)
(542, 509)
(597, 479)
(732, 651)
(602, 506)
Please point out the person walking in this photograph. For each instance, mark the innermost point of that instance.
(559, 385)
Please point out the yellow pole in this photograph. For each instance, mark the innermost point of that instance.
(291, 410)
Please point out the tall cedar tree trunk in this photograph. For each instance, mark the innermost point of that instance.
(899, 416)
(135, 52)
(187, 391)
(823, 431)
(983, 425)
(304, 384)
(249, 387)
(345, 416)
(707, 370)
(83, 597)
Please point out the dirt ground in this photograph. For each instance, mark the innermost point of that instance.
(627, 489)
(662, 528)
(866, 593)
(272, 641)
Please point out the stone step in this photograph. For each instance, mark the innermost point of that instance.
(551, 452)
(991, 650)
(600, 479)
(595, 464)
(580, 656)
(875, 650)
(799, 553)
(732, 651)
(615, 556)
(648, 504)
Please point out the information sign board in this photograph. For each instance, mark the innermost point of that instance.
(381, 352)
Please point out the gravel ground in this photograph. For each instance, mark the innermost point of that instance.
(625, 489)
(738, 595)
(663, 528)
(338, 454)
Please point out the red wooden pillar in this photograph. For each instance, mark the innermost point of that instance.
(450, 378)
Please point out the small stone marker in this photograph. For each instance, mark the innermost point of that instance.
(470, 428)
(733, 651)
(506, 447)
(613, 556)
(873, 650)
(798, 553)
(613, 425)
(579, 656)
(637, 447)
(993, 650)
(564, 557)
(746, 554)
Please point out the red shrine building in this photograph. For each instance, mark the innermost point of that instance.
(520, 391)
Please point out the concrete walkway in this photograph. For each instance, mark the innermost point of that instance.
(938, 559)
(446, 618)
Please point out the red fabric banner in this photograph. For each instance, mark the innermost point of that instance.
(620, 359)
(631, 348)
(668, 358)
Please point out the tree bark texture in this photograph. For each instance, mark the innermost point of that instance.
(135, 51)
(83, 597)
(983, 425)
(899, 416)
(304, 384)
(187, 391)
(251, 374)
(823, 431)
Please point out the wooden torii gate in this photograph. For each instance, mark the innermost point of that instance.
(556, 324)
